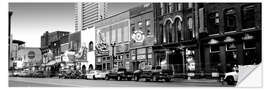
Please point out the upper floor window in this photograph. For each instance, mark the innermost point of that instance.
(213, 23)
(190, 27)
(90, 46)
(140, 25)
(229, 20)
(190, 5)
(170, 7)
(132, 27)
(161, 8)
(248, 16)
(148, 24)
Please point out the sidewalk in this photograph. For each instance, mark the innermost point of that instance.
(195, 80)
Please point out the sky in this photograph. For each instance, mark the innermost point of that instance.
(30, 20)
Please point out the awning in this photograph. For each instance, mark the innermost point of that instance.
(51, 63)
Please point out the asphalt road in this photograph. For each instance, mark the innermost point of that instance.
(55, 82)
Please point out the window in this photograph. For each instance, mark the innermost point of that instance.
(213, 23)
(166, 8)
(113, 36)
(230, 20)
(161, 8)
(126, 34)
(177, 6)
(90, 46)
(178, 29)
(230, 47)
(248, 16)
(161, 34)
(140, 25)
(168, 32)
(190, 5)
(190, 28)
(170, 7)
(119, 35)
(132, 27)
(214, 48)
(148, 25)
(249, 44)
(231, 60)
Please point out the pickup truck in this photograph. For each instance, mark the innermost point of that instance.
(154, 74)
(119, 74)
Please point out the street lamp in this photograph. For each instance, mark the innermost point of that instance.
(113, 45)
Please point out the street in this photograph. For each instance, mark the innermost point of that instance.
(55, 82)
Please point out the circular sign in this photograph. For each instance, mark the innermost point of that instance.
(31, 54)
(138, 36)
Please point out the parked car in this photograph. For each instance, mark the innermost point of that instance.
(38, 74)
(119, 74)
(232, 77)
(95, 74)
(25, 73)
(62, 74)
(16, 73)
(155, 74)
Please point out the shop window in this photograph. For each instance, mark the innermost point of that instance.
(230, 20)
(250, 53)
(214, 60)
(213, 23)
(249, 44)
(251, 57)
(231, 60)
(214, 48)
(248, 16)
(230, 47)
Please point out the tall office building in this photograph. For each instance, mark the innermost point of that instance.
(87, 13)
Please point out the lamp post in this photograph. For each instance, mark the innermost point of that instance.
(113, 45)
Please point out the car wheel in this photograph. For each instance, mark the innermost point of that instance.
(147, 79)
(136, 78)
(129, 79)
(94, 78)
(230, 81)
(167, 80)
(119, 78)
(107, 77)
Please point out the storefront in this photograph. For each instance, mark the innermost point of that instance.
(223, 53)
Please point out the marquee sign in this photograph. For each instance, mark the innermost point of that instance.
(138, 36)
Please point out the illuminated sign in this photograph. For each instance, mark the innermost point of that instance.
(138, 36)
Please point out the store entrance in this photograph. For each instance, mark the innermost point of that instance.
(175, 59)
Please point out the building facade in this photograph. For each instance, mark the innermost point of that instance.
(15, 46)
(29, 58)
(112, 41)
(87, 13)
(176, 32)
(142, 36)
(231, 35)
